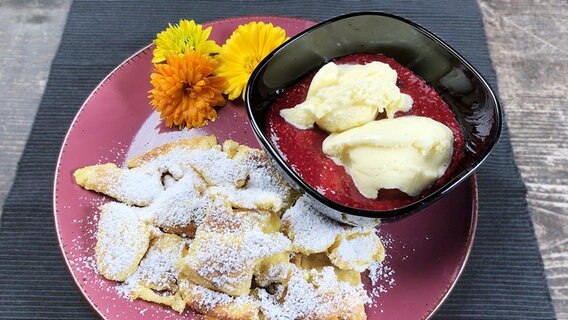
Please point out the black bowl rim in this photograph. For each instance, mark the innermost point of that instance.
(398, 212)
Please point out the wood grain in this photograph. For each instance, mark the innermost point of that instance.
(30, 32)
(528, 41)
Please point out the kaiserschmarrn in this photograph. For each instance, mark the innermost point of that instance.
(214, 228)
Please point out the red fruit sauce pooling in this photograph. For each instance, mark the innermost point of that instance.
(303, 148)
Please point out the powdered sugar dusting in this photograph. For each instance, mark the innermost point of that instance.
(358, 250)
(227, 260)
(382, 279)
(137, 186)
(249, 198)
(310, 231)
(206, 300)
(321, 297)
(222, 218)
(217, 168)
(381, 275)
(275, 273)
(158, 269)
(263, 176)
(122, 240)
(195, 188)
(265, 189)
(275, 139)
(181, 206)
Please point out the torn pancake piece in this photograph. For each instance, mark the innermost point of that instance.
(221, 217)
(123, 237)
(263, 176)
(226, 261)
(174, 301)
(182, 207)
(309, 230)
(156, 278)
(218, 169)
(218, 305)
(348, 247)
(319, 261)
(356, 249)
(161, 153)
(158, 270)
(138, 187)
(251, 199)
(314, 295)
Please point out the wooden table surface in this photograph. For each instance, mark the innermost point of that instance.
(528, 41)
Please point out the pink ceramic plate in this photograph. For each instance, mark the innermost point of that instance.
(426, 252)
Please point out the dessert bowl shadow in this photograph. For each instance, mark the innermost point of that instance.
(466, 92)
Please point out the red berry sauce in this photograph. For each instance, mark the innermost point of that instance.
(302, 149)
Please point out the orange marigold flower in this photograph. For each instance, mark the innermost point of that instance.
(185, 91)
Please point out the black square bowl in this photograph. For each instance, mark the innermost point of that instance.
(460, 85)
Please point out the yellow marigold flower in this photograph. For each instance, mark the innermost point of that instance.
(183, 37)
(242, 52)
(185, 91)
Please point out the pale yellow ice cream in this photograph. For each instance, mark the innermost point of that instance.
(406, 153)
(342, 97)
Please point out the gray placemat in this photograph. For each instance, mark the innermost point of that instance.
(503, 279)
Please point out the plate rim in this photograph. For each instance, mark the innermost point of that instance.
(472, 180)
